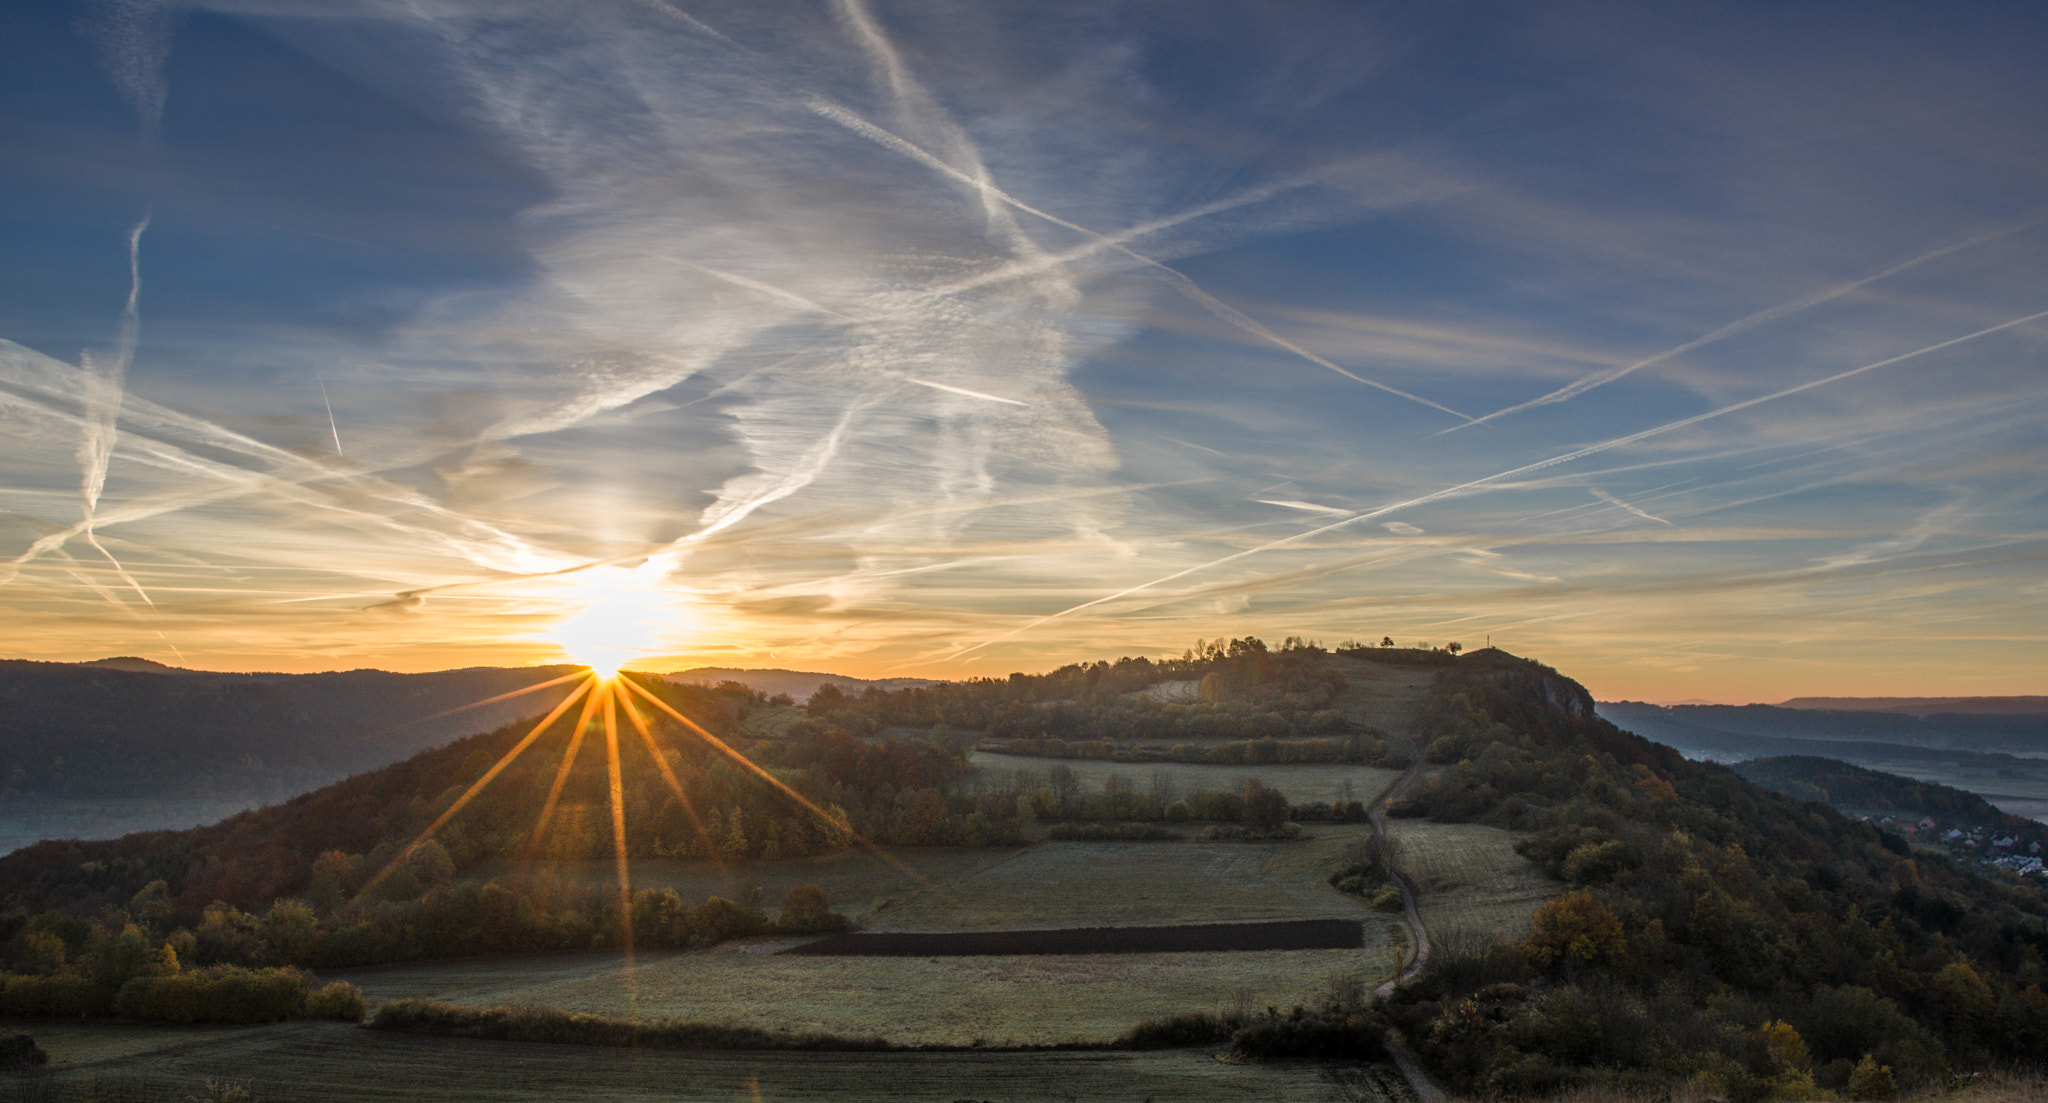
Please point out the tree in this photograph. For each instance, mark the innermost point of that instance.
(1386, 641)
(804, 907)
(1065, 783)
(1454, 647)
(1263, 806)
(1575, 929)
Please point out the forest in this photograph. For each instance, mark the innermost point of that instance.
(1714, 929)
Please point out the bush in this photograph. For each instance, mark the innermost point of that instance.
(542, 1024)
(53, 997)
(217, 994)
(1321, 1035)
(1871, 1080)
(340, 1001)
(1191, 1028)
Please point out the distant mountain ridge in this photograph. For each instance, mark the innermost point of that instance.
(121, 728)
(797, 683)
(1926, 706)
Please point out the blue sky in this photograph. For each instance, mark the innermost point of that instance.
(1695, 349)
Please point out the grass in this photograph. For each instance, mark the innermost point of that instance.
(1382, 696)
(909, 1001)
(1468, 880)
(953, 1001)
(857, 881)
(1115, 884)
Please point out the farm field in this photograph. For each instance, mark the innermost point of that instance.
(1183, 938)
(1000, 999)
(1301, 782)
(916, 1001)
(857, 881)
(1076, 884)
(1468, 880)
(329, 1061)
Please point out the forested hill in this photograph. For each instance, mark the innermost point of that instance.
(1716, 930)
(798, 684)
(120, 729)
(1855, 789)
(1742, 731)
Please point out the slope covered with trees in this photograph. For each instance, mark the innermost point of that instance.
(1715, 929)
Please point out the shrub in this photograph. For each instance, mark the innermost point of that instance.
(542, 1024)
(63, 996)
(1190, 1028)
(340, 1000)
(217, 994)
(1871, 1080)
(1321, 1035)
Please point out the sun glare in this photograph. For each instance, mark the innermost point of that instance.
(615, 618)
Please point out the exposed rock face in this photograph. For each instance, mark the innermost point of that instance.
(1568, 697)
(19, 1051)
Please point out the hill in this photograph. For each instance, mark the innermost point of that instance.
(1926, 706)
(1855, 790)
(128, 728)
(798, 684)
(1700, 929)
(1997, 756)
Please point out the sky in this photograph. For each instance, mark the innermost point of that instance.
(1695, 349)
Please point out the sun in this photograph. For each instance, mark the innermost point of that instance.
(615, 617)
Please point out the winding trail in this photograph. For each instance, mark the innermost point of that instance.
(1397, 1047)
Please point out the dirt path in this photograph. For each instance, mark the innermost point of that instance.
(1390, 698)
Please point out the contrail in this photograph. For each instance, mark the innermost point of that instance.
(1309, 506)
(768, 289)
(1745, 324)
(961, 390)
(914, 104)
(330, 411)
(692, 21)
(103, 388)
(1539, 465)
(1624, 506)
(163, 438)
(1177, 279)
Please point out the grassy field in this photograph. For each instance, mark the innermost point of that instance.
(951, 1001)
(1302, 783)
(1124, 884)
(1382, 695)
(857, 881)
(1468, 880)
(956, 1000)
(327, 1061)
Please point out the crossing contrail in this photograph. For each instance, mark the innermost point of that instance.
(1175, 278)
(1752, 321)
(1475, 484)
